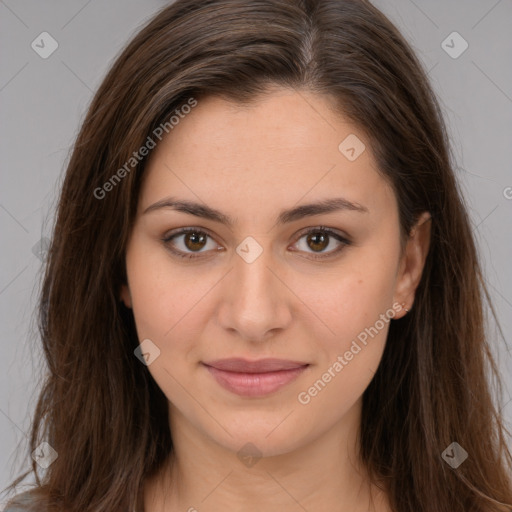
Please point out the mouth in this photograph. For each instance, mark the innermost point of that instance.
(254, 378)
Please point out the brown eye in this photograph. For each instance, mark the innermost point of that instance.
(195, 240)
(318, 241)
(323, 241)
(187, 241)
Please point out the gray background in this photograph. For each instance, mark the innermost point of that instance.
(43, 102)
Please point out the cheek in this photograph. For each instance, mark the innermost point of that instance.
(357, 309)
(359, 313)
(351, 298)
(164, 308)
(163, 294)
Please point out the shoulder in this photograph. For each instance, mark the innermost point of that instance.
(23, 502)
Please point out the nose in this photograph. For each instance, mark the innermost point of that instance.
(255, 299)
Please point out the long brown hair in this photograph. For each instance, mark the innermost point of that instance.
(99, 407)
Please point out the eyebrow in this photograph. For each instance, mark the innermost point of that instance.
(286, 216)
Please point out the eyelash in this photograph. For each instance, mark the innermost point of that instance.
(320, 229)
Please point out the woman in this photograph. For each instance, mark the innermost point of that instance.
(263, 291)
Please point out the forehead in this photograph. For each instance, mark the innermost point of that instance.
(280, 148)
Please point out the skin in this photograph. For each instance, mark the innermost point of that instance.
(250, 163)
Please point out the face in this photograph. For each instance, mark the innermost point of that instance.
(259, 275)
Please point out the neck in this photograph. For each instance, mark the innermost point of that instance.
(322, 474)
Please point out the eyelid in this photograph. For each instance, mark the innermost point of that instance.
(167, 238)
(330, 231)
(343, 239)
(180, 231)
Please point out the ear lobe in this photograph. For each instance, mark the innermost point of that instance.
(125, 296)
(413, 260)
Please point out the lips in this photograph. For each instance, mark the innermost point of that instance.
(254, 378)
(261, 366)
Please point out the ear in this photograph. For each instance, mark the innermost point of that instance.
(412, 262)
(125, 296)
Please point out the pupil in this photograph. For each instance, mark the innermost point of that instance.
(195, 241)
(318, 239)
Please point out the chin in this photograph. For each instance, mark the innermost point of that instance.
(263, 437)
